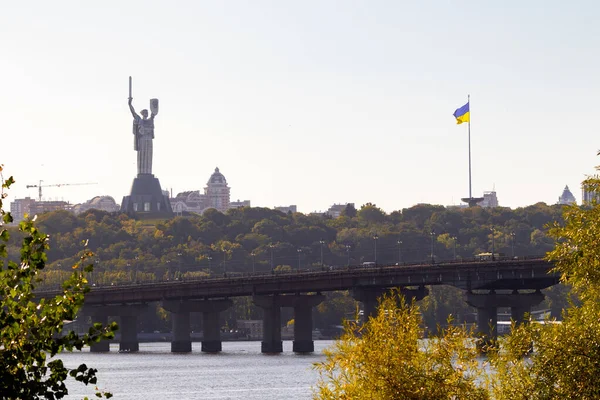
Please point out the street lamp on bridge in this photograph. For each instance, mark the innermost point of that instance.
(512, 244)
(322, 242)
(135, 268)
(96, 268)
(454, 239)
(375, 238)
(348, 252)
(272, 246)
(493, 230)
(399, 252)
(179, 262)
(253, 254)
(299, 255)
(432, 233)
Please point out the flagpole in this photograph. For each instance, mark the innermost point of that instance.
(469, 103)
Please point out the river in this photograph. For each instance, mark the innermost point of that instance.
(240, 371)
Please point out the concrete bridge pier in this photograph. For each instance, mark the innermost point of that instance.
(127, 325)
(271, 342)
(368, 296)
(181, 341)
(416, 294)
(303, 323)
(180, 315)
(487, 305)
(211, 340)
(102, 346)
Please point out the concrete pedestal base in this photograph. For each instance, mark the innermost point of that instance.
(211, 346)
(303, 346)
(182, 346)
(147, 198)
(274, 346)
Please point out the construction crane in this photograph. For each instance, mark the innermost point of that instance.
(40, 186)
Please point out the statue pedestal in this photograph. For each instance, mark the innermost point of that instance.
(146, 198)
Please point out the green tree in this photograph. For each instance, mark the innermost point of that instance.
(369, 213)
(30, 327)
(349, 211)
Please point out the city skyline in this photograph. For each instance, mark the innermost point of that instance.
(310, 104)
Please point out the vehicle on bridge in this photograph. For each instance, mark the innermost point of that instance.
(369, 264)
(491, 257)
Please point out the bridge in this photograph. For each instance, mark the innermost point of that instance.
(514, 283)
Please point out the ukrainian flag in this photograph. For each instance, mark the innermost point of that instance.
(462, 114)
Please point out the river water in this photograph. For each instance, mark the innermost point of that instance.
(240, 371)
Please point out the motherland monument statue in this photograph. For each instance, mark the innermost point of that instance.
(146, 195)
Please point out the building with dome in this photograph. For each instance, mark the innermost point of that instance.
(104, 203)
(567, 197)
(217, 195)
(217, 192)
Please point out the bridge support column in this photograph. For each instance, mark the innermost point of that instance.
(128, 327)
(102, 346)
(211, 339)
(487, 305)
(487, 322)
(417, 294)
(368, 296)
(181, 341)
(303, 324)
(210, 309)
(270, 305)
(519, 311)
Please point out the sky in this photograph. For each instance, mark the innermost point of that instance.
(303, 102)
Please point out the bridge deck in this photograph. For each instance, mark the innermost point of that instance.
(482, 275)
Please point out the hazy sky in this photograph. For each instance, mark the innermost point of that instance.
(305, 102)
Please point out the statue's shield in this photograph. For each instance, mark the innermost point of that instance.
(154, 106)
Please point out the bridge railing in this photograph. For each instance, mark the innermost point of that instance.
(319, 271)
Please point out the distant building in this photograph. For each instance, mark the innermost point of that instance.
(31, 207)
(104, 203)
(489, 199)
(336, 209)
(457, 206)
(40, 207)
(589, 196)
(216, 191)
(239, 204)
(20, 207)
(216, 195)
(190, 201)
(567, 197)
(287, 209)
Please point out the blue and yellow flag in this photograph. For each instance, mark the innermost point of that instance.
(462, 114)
